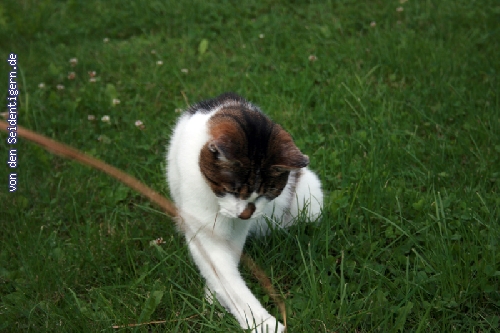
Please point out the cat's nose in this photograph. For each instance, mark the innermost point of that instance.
(248, 211)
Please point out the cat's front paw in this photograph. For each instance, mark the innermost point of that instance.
(269, 325)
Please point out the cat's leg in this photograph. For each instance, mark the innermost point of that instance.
(237, 233)
(216, 251)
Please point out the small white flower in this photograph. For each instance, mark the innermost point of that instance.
(312, 58)
(159, 62)
(261, 36)
(60, 87)
(373, 24)
(400, 9)
(185, 70)
(41, 85)
(139, 124)
(92, 73)
(157, 241)
(105, 119)
(178, 110)
(105, 40)
(73, 61)
(91, 117)
(116, 101)
(92, 79)
(71, 75)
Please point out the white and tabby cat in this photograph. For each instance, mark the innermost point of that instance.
(229, 167)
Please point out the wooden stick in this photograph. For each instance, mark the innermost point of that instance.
(132, 182)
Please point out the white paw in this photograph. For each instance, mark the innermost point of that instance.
(270, 325)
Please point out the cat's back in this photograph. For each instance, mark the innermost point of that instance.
(192, 121)
(193, 128)
(225, 100)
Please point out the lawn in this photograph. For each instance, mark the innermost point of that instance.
(395, 102)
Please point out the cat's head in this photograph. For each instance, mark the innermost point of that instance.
(247, 160)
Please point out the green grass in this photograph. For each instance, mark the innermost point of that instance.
(401, 121)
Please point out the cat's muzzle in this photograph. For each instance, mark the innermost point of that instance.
(248, 211)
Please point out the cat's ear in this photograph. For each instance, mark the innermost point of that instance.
(219, 148)
(288, 155)
(291, 159)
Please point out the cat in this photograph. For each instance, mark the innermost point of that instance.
(232, 171)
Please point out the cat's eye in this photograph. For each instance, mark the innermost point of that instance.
(276, 171)
(230, 190)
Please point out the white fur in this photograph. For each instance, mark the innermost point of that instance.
(214, 234)
(232, 206)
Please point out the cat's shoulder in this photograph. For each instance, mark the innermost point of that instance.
(226, 99)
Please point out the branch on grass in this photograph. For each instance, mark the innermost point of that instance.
(141, 324)
(71, 153)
